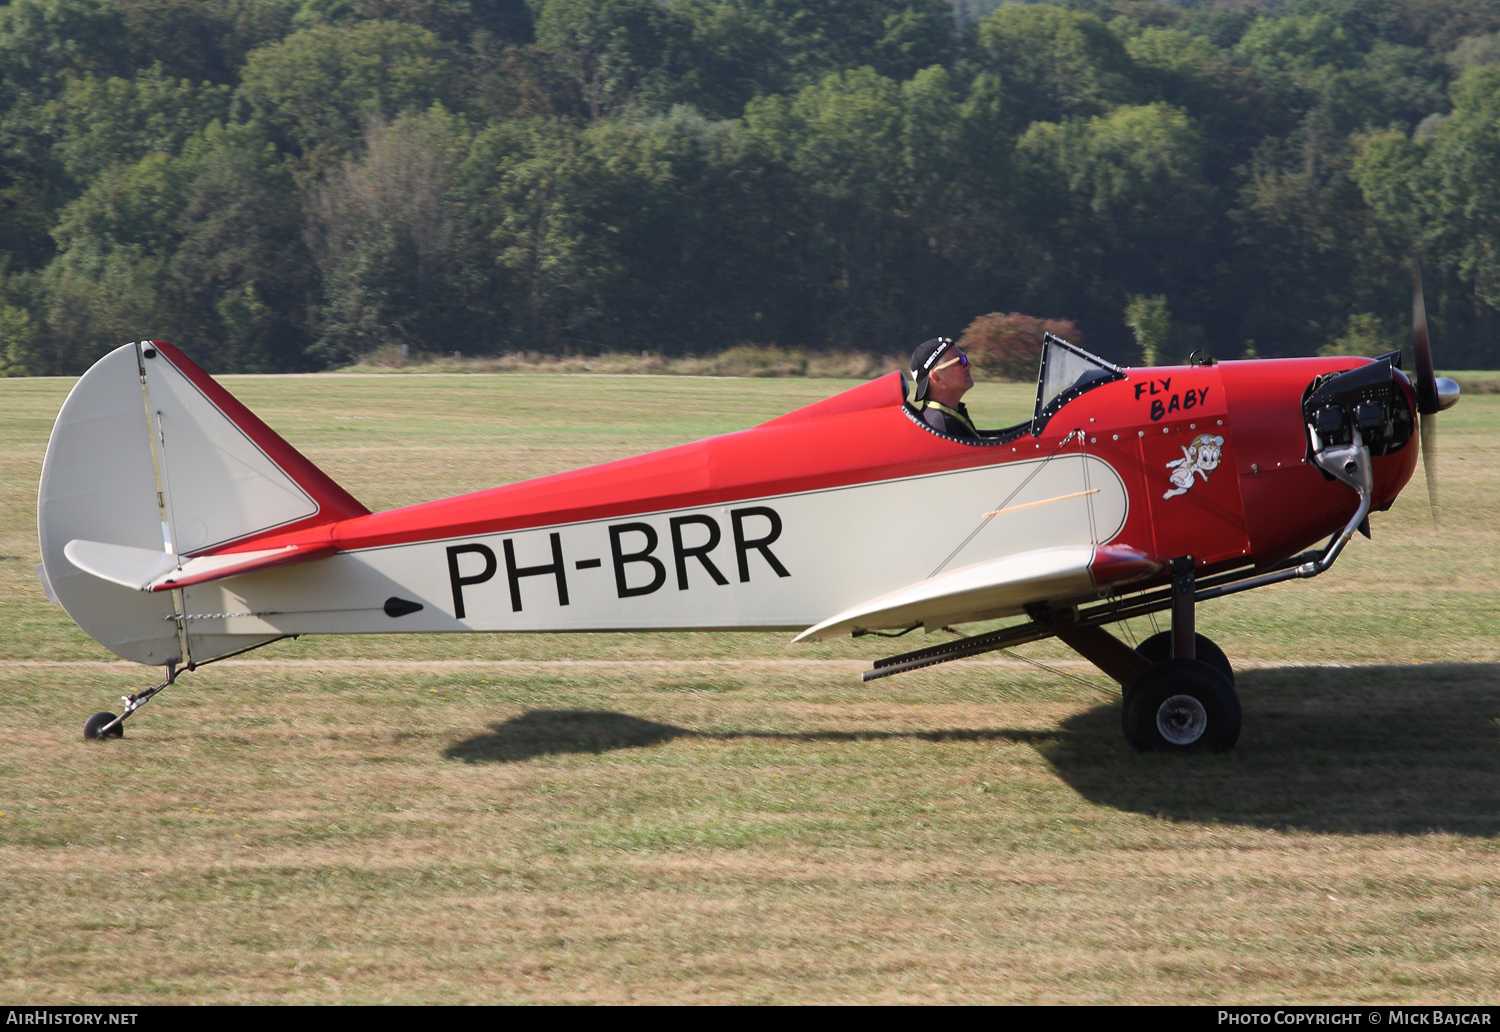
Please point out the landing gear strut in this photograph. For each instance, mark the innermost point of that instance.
(107, 725)
(1159, 647)
(1185, 701)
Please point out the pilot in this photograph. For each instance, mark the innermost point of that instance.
(941, 371)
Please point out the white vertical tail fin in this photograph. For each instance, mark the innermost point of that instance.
(150, 455)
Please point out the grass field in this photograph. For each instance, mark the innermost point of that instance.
(728, 818)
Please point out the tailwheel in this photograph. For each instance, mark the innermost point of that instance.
(1181, 706)
(107, 725)
(91, 727)
(1159, 647)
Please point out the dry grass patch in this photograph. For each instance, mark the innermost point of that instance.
(612, 839)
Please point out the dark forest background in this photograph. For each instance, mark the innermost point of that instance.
(293, 184)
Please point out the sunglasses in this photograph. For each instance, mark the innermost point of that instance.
(962, 360)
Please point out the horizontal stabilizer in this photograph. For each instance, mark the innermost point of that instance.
(120, 564)
(148, 570)
(1000, 587)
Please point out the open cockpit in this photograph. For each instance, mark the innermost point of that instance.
(1067, 371)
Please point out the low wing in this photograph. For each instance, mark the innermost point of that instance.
(999, 587)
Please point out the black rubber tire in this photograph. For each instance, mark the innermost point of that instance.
(1181, 706)
(1158, 647)
(92, 725)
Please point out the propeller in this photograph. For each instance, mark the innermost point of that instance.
(1434, 393)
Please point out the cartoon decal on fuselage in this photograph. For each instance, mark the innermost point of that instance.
(1200, 457)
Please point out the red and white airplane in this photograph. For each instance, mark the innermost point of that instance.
(177, 528)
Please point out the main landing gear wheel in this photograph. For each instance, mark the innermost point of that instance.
(1181, 706)
(1159, 647)
(92, 725)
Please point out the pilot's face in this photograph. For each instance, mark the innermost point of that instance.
(952, 372)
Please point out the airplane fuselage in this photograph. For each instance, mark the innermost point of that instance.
(784, 524)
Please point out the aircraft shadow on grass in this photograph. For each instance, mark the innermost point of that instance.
(550, 732)
(1362, 750)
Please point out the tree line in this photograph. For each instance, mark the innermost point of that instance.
(283, 185)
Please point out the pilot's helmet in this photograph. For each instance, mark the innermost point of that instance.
(923, 359)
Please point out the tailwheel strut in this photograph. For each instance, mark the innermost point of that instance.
(107, 725)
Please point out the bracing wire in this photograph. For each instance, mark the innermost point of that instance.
(1064, 674)
(1008, 499)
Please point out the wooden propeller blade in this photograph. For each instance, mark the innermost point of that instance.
(1427, 397)
(1429, 463)
(1427, 394)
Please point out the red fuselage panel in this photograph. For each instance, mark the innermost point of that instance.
(1213, 459)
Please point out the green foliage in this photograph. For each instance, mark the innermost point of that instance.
(1224, 97)
(608, 239)
(849, 129)
(1053, 63)
(1126, 195)
(200, 39)
(286, 184)
(1475, 52)
(896, 38)
(383, 234)
(1220, 24)
(1388, 169)
(1460, 189)
(95, 304)
(891, 182)
(456, 20)
(733, 53)
(1151, 322)
(44, 42)
(19, 336)
(25, 221)
(240, 277)
(1441, 198)
(1367, 335)
(106, 122)
(132, 205)
(161, 243)
(618, 54)
(1128, 164)
(318, 88)
(1299, 43)
(112, 242)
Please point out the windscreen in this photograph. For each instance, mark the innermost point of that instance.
(1065, 368)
